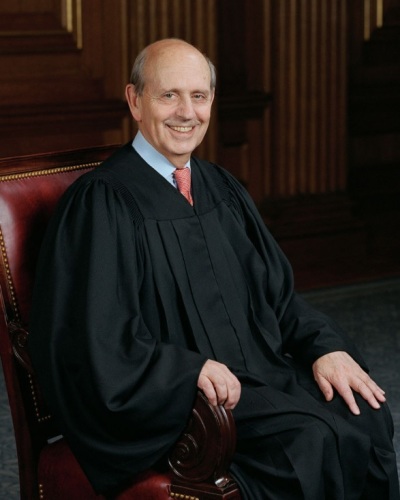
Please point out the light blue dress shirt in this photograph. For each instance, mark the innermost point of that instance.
(155, 159)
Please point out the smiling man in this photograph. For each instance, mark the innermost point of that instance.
(146, 292)
(172, 105)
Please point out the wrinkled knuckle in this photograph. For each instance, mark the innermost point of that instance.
(220, 382)
(235, 385)
(362, 385)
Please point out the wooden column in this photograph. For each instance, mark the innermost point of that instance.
(309, 97)
(244, 92)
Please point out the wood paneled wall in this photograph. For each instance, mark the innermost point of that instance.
(279, 120)
(283, 95)
(309, 103)
(62, 64)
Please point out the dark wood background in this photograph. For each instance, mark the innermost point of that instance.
(307, 114)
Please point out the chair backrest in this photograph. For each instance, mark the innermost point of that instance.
(30, 187)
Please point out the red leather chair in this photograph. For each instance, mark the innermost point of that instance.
(29, 189)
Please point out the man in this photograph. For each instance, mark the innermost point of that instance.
(143, 296)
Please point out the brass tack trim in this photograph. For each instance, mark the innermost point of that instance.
(50, 171)
(181, 496)
(8, 276)
(40, 419)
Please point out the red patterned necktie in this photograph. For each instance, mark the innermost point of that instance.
(182, 177)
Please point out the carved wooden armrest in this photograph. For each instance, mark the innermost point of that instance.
(201, 458)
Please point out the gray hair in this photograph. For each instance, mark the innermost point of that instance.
(137, 74)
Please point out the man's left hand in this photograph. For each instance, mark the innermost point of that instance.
(338, 370)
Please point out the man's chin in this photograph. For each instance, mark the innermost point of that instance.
(183, 148)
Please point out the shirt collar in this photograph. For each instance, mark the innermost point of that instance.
(155, 159)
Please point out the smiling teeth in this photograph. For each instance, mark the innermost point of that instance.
(182, 129)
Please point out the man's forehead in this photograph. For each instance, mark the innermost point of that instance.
(166, 73)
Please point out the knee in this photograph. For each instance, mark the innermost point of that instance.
(317, 438)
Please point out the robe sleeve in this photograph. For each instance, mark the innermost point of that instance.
(120, 396)
(306, 333)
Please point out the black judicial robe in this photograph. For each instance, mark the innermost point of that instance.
(136, 289)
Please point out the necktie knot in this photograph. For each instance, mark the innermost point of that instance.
(183, 181)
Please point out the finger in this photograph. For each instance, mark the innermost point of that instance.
(380, 396)
(207, 387)
(234, 391)
(377, 391)
(325, 387)
(372, 396)
(220, 384)
(214, 387)
(222, 391)
(347, 394)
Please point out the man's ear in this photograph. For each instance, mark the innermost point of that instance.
(212, 96)
(132, 99)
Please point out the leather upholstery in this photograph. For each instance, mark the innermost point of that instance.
(61, 478)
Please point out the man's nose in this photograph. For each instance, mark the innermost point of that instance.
(185, 107)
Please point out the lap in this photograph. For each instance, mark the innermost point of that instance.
(289, 436)
(291, 400)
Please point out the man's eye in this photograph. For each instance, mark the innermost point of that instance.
(168, 95)
(199, 97)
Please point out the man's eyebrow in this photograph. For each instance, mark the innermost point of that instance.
(176, 90)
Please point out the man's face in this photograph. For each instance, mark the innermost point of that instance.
(173, 113)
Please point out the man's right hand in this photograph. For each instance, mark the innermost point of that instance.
(219, 384)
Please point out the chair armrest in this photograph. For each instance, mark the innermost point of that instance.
(201, 458)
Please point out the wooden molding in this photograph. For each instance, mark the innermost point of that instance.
(48, 31)
(15, 116)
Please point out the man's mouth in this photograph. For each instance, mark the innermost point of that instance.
(182, 129)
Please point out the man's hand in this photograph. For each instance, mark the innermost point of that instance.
(219, 384)
(337, 370)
